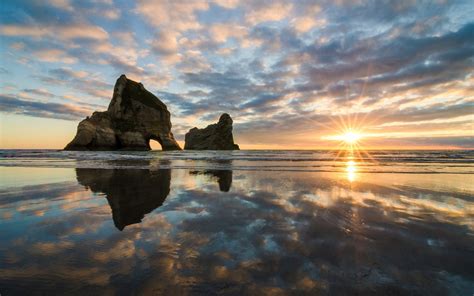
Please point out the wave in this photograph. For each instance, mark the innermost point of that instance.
(402, 161)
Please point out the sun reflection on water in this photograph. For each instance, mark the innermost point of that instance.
(351, 169)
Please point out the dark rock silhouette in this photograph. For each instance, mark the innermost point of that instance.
(216, 136)
(134, 117)
(224, 177)
(131, 193)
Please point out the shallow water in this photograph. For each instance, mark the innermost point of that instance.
(230, 223)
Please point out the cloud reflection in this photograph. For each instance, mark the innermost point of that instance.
(274, 232)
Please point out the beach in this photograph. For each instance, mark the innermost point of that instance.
(236, 222)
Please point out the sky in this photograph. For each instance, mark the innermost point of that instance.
(293, 75)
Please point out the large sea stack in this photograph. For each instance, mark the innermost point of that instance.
(216, 136)
(134, 117)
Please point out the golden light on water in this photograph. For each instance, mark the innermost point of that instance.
(351, 169)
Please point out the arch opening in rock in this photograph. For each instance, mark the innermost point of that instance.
(155, 144)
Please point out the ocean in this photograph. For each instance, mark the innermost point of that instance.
(237, 222)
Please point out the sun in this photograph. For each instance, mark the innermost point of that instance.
(351, 137)
(348, 137)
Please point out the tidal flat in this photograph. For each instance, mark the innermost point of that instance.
(232, 223)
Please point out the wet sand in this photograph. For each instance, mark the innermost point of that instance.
(205, 232)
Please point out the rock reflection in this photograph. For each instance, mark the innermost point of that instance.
(224, 177)
(311, 234)
(131, 193)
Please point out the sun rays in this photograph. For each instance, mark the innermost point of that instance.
(349, 136)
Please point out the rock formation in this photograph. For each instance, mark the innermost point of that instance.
(134, 117)
(216, 136)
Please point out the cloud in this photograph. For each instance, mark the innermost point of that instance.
(81, 81)
(104, 9)
(13, 105)
(62, 32)
(62, 4)
(221, 32)
(272, 64)
(54, 56)
(177, 15)
(271, 11)
(227, 3)
(430, 113)
(41, 92)
(396, 65)
(305, 23)
(68, 72)
(165, 43)
(193, 61)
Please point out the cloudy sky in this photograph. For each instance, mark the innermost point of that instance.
(291, 74)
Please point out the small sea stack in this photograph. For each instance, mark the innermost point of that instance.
(217, 136)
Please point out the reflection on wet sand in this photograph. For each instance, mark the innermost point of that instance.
(277, 233)
(131, 193)
(351, 169)
(224, 177)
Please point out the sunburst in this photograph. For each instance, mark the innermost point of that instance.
(350, 138)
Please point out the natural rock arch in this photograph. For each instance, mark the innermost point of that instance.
(133, 118)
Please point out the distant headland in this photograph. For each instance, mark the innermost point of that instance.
(135, 116)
